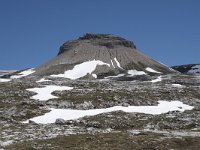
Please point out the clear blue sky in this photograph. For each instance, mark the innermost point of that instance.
(31, 31)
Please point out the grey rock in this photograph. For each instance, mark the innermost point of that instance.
(60, 121)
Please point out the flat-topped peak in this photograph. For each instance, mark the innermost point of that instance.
(120, 56)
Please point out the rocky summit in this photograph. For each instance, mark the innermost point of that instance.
(113, 55)
(100, 92)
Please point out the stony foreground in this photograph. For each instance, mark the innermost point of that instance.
(114, 130)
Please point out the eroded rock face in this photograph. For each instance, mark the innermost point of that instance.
(118, 52)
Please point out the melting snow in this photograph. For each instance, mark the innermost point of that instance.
(70, 114)
(81, 70)
(44, 93)
(112, 63)
(177, 85)
(4, 80)
(151, 70)
(118, 64)
(135, 132)
(159, 79)
(42, 80)
(135, 72)
(94, 75)
(23, 74)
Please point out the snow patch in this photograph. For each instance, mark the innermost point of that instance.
(117, 76)
(94, 75)
(177, 85)
(4, 80)
(81, 70)
(134, 132)
(135, 72)
(112, 63)
(70, 114)
(44, 93)
(23, 74)
(117, 62)
(42, 80)
(151, 70)
(159, 79)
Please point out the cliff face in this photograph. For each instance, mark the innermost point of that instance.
(119, 53)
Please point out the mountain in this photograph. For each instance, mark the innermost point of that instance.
(188, 69)
(97, 56)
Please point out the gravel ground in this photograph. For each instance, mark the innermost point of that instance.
(115, 130)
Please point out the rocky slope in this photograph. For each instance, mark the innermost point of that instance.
(115, 55)
(112, 130)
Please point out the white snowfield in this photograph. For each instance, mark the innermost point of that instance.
(195, 69)
(70, 114)
(117, 62)
(159, 79)
(81, 70)
(135, 72)
(23, 74)
(152, 70)
(44, 93)
(4, 80)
